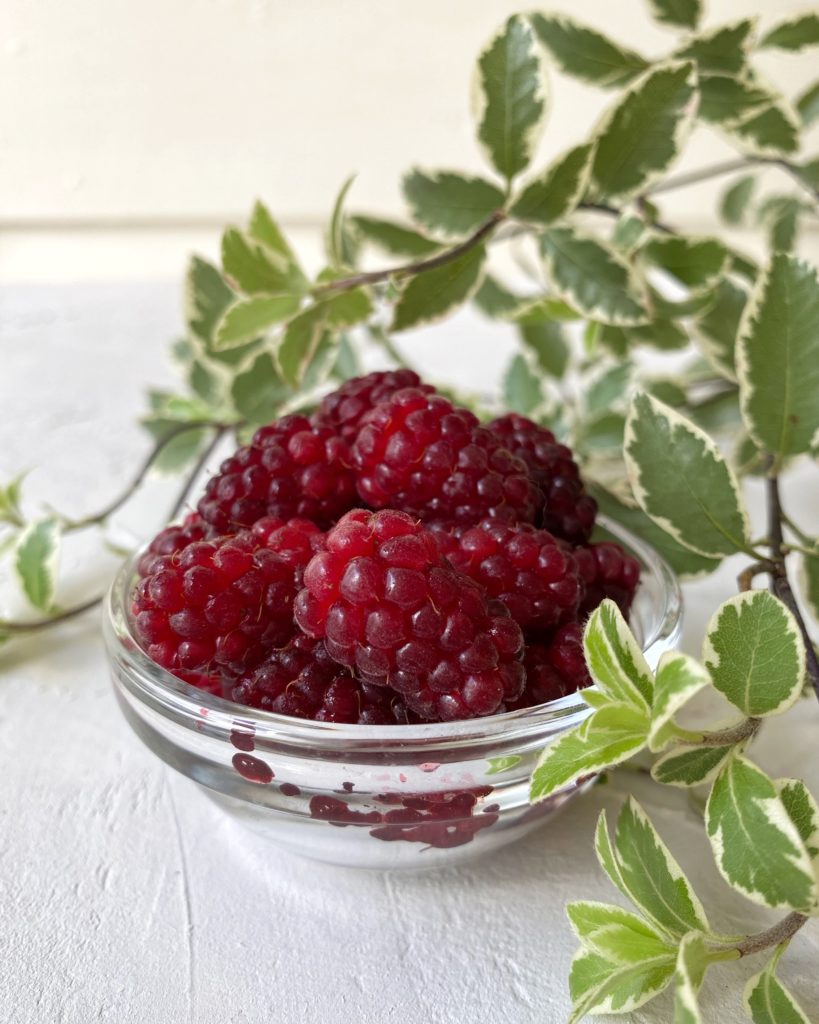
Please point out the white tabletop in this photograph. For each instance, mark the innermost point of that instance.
(125, 896)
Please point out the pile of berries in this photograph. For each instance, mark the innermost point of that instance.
(388, 560)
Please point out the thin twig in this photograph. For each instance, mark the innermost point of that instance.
(731, 167)
(192, 476)
(746, 578)
(21, 628)
(781, 932)
(728, 737)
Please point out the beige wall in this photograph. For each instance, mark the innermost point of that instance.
(129, 130)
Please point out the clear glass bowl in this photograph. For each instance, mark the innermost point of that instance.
(403, 796)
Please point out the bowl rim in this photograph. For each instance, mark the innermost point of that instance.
(188, 705)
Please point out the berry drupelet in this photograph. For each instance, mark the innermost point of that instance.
(344, 409)
(568, 512)
(224, 604)
(532, 573)
(173, 539)
(422, 454)
(388, 607)
(290, 469)
(554, 668)
(607, 571)
(303, 681)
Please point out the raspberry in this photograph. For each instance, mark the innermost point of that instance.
(172, 539)
(224, 602)
(289, 469)
(554, 669)
(210, 683)
(302, 680)
(607, 571)
(343, 410)
(421, 454)
(533, 574)
(388, 606)
(568, 512)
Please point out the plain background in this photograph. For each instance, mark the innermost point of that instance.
(132, 132)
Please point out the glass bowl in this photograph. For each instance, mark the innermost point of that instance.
(402, 796)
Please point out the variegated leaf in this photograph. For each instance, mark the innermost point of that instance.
(598, 985)
(679, 678)
(586, 54)
(686, 766)
(556, 192)
(615, 660)
(250, 318)
(433, 294)
(803, 811)
(682, 481)
(767, 1001)
(692, 963)
(36, 556)
(757, 847)
(449, 204)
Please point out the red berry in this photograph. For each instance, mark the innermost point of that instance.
(289, 469)
(568, 512)
(172, 539)
(388, 606)
(533, 574)
(302, 680)
(554, 668)
(210, 683)
(421, 454)
(607, 571)
(225, 602)
(344, 409)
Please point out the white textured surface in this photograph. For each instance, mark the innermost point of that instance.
(126, 897)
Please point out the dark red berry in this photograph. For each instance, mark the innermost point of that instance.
(290, 469)
(302, 680)
(554, 668)
(224, 604)
(533, 574)
(607, 571)
(344, 409)
(210, 683)
(172, 539)
(421, 454)
(568, 512)
(389, 607)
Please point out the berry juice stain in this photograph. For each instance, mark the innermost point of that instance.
(252, 769)
(289, 789)
(243, 740)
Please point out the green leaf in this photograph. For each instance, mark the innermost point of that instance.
(510, 97)
(628, 231)
(682, 13)
(207, 384)
(807, 105)
(544, 310)
(597, 985)
(679, 678)
(586, 54)
(716, 329)
(10, 496)
(651, 878)
(755, 654)
(615, 660)
(641, 137)
(393, 238)
(803, 811)
(521, 387)
(778, 357)
(249, 318)
(255, 269)
(696, 263)
(734, 202)
(758, 849)
(435, 293)
(180, 452)
(692, 963)
(781, 215)
(609, 736)
(667, 391)
(36, 556)
(592, 278)
(723, 50)
(809, 173)
(772, 131)
(616, 934)
(259, 392)
(502, 764)
(608, 388)
(767, 1001)
(661, 333)
(793, 34)
(682, 481)
(547, 343)
(207, 296)
(263, 228)
(602, 433)
(496, 300)
(809, 580)
(726, 99)
(450, 204)
(682, 560)
(336, 231)
(556, 192)
(689, 766)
